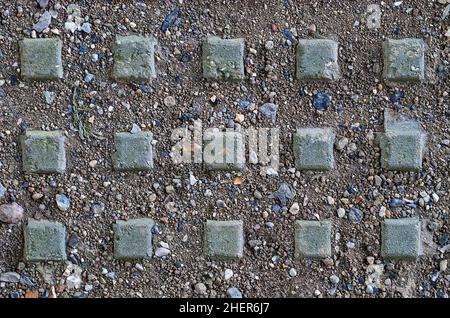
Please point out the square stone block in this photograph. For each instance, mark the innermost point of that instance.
(224, 239)
(312, 239)
(402, 150)
(224, 150)
(313, 149)
(40, 59)
(317, 59)
(223, 59)
(133, 151)
(44, 241)
(43, 152)
(133, 239)
(400, 238)
(404, 60)
(134, 58)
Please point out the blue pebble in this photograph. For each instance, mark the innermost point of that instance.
(234, 292)
(321, 101)
(25, 280)
(288, 35)
(355, 215)
(276, 208)
(2, 191)
(169, 20)
(244, 104)
(83, 50)
(396, 97)
(89, 77)
(395, 202)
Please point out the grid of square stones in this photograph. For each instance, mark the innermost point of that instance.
(223, 240)
(402, 147)
(223, 59)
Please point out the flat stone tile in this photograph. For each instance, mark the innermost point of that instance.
(43, 152)
(133, 151)
(402, 144)
(134, 58)
(224, 150)
(44, 241)
(317, 59)
(223, 59)
(40, 59)
(312, 239)
(400, 238)
(133, 239)
(224, 239)
(313, 148)
(404, 60)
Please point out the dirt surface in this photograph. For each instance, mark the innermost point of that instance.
(106, 107)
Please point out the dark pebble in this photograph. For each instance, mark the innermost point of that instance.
(443, 239)
(73, 241)
(396, 97)
(186, 57)
(13, 79)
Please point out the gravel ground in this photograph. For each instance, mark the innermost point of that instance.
(100, 196)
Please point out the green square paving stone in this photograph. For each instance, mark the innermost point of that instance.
(133, 239)
(404, 60)
(313, 149)
(41, 59)
(134, 58)
(133, 151)
(43, 152)
(312, 239)
(224, 151)
(317, 59)
(400, 238)
(402, 150)
(223, 58)
(224, 239)
(44, 241)
(402, 144)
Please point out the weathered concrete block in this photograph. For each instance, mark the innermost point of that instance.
(133, 151)
(44, 241)
(400, 238)
(313, 148)
(224, 239)
(312, 239)
(223, 58)
(402, 144)
(317, 59)
(133, 239)
(404, 60)
(40, 59)
(134, 58)
(43, 152)
(224, 150)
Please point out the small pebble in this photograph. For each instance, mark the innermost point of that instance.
(234, 292)
(63, 202)
(292, 272)
(11, 213)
